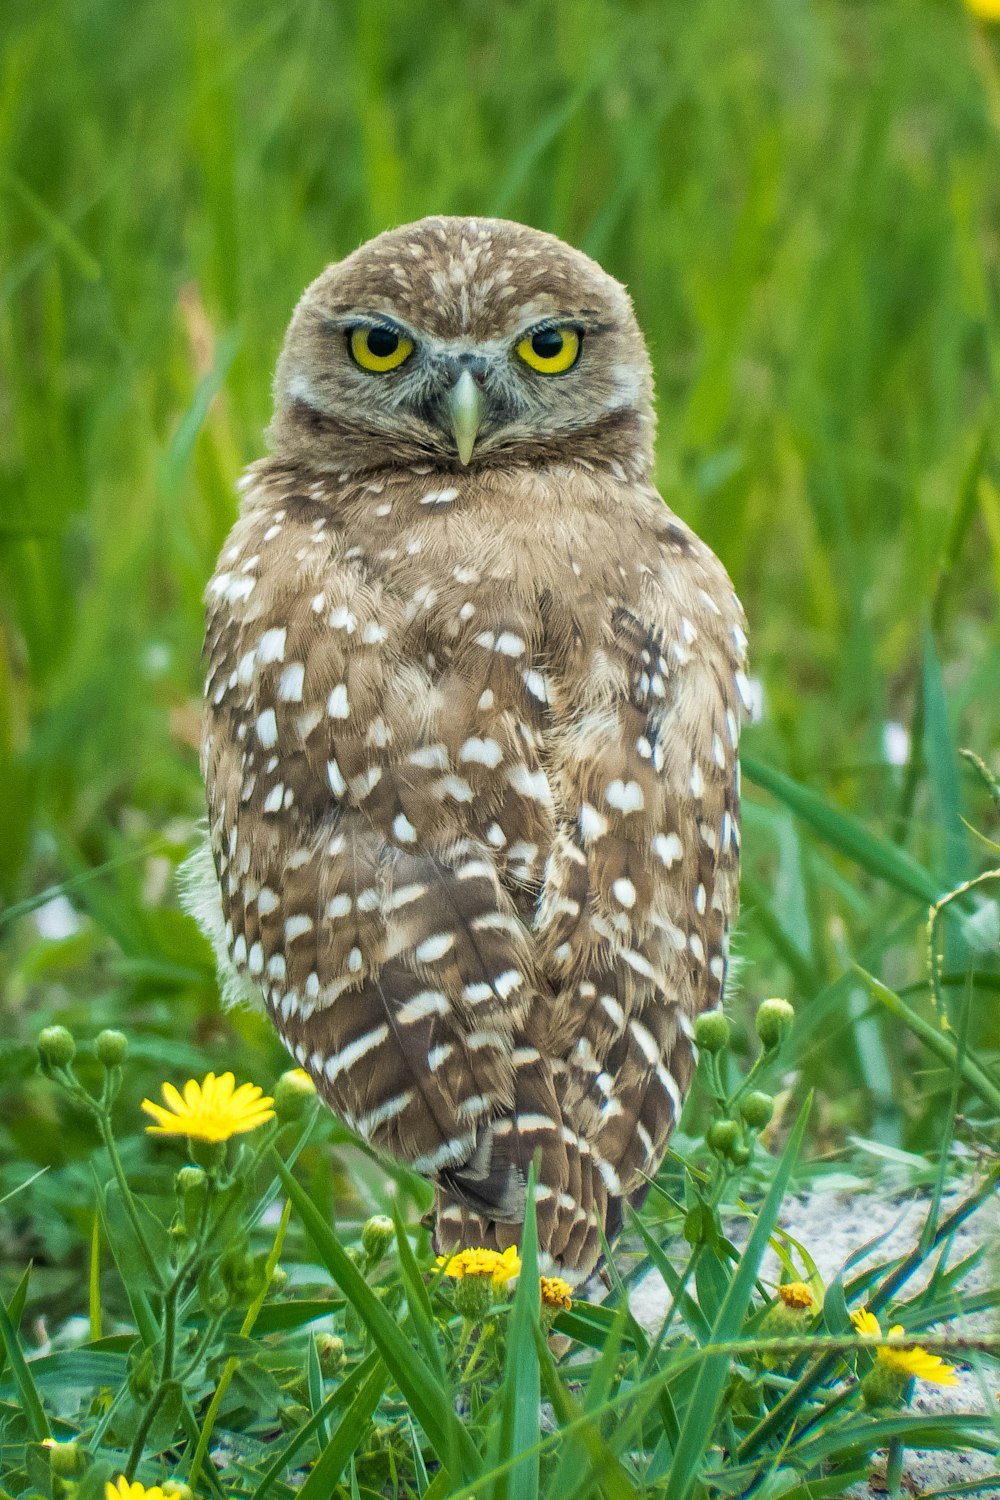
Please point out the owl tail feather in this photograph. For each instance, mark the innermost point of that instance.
(482, 1202)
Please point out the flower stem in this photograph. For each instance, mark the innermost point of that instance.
(128, 1202)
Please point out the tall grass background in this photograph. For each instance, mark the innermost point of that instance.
(804, 201)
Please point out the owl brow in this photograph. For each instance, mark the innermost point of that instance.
(336, 319)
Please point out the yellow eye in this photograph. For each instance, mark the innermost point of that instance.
(379, 349)
(550, 351)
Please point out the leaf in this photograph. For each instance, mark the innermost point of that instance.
(845, 833)
(431, 1405)
(34, 1412)
(417, 1298)
(15, 1310)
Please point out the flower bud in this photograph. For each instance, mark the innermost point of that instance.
(190, 1180)
(757, 1109)
(66, 1460)
(210, 1155)
(774, 1021)
(56, 1047)
(111, 1048)
(883, 1386)
(241, 1274)
(279, 1280)
(711, 1031)
(141, 1375)
(473, 1296)
(740, 1156)
(292, 1092)
(175, 1489)
(376, 1237)
(723, 1137)
(330, 1353)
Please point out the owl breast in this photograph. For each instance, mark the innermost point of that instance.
(471, 761)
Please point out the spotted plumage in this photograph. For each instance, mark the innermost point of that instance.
(472, 720)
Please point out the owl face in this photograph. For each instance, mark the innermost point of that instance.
(463, 342)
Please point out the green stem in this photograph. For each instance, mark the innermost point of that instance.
(107, 1136)
(246, 1328)
(139, 1442)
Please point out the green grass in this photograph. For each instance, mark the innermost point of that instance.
(803, 200)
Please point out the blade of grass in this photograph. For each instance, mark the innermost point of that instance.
(935, 1040)
(845, 833)
(94, 1279)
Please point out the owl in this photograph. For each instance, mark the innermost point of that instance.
(472, 715)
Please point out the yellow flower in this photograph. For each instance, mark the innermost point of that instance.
(907, 1362)
(135, 1491)
(797, 1294)
(986, 10)
(500, 1265)
(556, 1293)
(212, 1110)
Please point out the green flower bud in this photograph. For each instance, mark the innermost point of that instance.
(883, 1386)
(241, 1274)
(190, 1180)
(330, 1352)
(711, 1031)
(141, 1375)
(474, 1296)
(66, 1460)
(376, 1237)
(212, 1295)
(111, 1048)
(56, 1047)
(757, 1109)
(279, 1280)
(292, 1092)
(210, 1155)
(174, 1489)
(697, 1223)
(740, 1156)
(723, 1137)
(774, 1021)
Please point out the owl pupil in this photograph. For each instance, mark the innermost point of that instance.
(382, 342)
(547, 343)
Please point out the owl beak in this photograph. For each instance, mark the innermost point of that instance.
(465, 409)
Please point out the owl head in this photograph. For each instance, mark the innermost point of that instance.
(463, 342)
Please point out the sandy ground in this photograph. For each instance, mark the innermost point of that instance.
(832, 1226)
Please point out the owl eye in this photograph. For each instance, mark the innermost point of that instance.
(379, 349)
(551, 351)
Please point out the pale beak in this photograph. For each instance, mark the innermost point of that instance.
(465, 406)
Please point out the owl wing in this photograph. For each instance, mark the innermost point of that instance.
(642, 882)
(389, 952)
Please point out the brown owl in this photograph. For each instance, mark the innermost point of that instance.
(472, 717)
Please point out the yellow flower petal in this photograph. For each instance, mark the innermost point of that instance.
(212, 1110)
(866, 1323)
(986, 10)
(916, 1362)
(135, 1491)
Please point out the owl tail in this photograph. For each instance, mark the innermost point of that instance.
(482, 1202)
